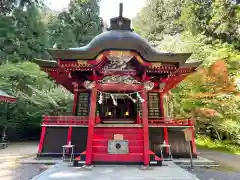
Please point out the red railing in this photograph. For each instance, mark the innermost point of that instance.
(83, 120)
(65, 120)
(171, 122)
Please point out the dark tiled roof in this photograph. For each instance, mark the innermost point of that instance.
(118, 40)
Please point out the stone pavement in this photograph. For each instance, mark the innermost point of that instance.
(10, 166)
(221, 157)
(64, 171)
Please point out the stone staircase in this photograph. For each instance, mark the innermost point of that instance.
(100, 154)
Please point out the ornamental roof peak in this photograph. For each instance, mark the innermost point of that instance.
(120, 22)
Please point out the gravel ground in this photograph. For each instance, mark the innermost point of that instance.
(13, 170)
(10, 167)
(215, 174)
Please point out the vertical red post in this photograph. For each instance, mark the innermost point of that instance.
(138, 121)
(145, 128)
(40, 146)
(165, 132)
(91, 124)
(69, 137)
(194, 149)
(98, 120)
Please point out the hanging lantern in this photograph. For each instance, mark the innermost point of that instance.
(140, 98)
(126, 113)
(109, 113)
(100, 101)
(133, 100)
(114, 101)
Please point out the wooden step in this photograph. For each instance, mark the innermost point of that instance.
(131, 157)
(104, 149)
(125, 137)
(104, 142)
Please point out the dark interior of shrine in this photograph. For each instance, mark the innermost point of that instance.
(124, 112)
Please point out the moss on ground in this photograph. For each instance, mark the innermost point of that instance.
(224, 146)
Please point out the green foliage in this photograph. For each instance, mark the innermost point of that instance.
(23, 35)
(76, 26)
(27, 28)
(225, 146)
(31, 32)
(210, 30)
(36, 96)
(217, 20)
(157, 18)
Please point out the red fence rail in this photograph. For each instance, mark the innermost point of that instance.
(173, 122)
(65, 120)
(83, 120)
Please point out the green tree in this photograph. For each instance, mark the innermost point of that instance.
(76, 26)
(36, 96)
(210, 30)
(159, 17)
(31, 33)
(23, 34)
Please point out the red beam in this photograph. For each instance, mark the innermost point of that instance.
(173, 81)
(91, 124)
(40, 146)
(145, 128)
(118, 87)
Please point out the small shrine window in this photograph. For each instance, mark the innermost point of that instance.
(83, 106)
(153, 105)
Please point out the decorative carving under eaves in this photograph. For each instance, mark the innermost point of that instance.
(89, 85)
(118, 61)
(125, 79)
(82, 62)
(156, 65)
(148, 85)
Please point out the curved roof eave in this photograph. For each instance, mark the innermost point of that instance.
(46, 63)
(118, 40)
(67, 54)
(191, 64)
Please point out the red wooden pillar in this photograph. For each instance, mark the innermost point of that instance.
(69, 136)
(145, 128)
(165, 132)
(74, 111)
(194, 149)
(43, 133)
(91, 124)
(40, 146)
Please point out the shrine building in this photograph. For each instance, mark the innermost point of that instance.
(119, 83)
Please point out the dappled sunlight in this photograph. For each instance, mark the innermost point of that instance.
(69, 174)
